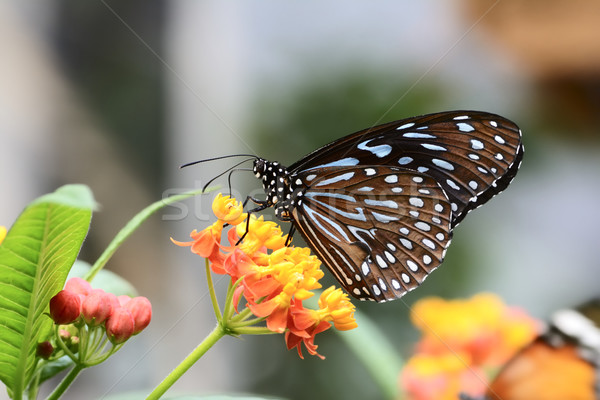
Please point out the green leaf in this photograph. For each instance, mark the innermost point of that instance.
(52, 368)
(35, 258)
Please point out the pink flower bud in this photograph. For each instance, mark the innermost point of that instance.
(78, 286)
(96, 307)
(44, 350)
(65, 307)
(141, 310)
(64, 334)
(120, 325)
(123, 299)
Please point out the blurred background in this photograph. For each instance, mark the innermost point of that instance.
(117, 95)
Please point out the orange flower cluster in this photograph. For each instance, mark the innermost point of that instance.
(462, 341)
(273, 278)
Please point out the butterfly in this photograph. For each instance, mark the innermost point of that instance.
(379, 206)
(562, 363)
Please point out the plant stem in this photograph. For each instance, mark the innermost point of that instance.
(217, 333)
(211, 291)
(66, 382)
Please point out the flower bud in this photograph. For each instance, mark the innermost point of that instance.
(120, 325)
(96, 307)
(44, 350)
(64, 334)
(78, 286)
(73, 344)
(123, 299)
(141, 310)
(65, 307)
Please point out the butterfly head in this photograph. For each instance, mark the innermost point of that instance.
(276, 184)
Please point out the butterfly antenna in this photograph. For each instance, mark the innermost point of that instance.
(231, 173)
(217, 158)
(226, 171)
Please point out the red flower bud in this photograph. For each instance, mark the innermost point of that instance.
(141, 310)
(96, 307)
(78, 286)
(44, 350)
(120, 325)
(65, 307)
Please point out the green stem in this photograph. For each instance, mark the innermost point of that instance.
(253, 330)
(194, 356)
(66, 382)
(211, 291)
(241, 316)
(243, 323)
(132, 225)
(229, 309)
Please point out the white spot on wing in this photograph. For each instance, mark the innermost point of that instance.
(443, 164)
(383, 217)
(382, 203)
(344, 162)
(342, 177)
(417, 135)
(405, 160)
(464, 127)
(476, 144)
(405, 126)
(433, 147)
(415, 201)
(424, 226)
(412, 265)
(428, 243)
(452, 184)
(380, 151)
(406, 243)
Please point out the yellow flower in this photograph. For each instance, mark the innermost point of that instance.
(2, 233)
(335, 306)
(228, 210)
(260, 233)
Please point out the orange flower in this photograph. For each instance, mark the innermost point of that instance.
(273, 278)
(460, 339)
(303, 328)
(205, 242)
(2, 233)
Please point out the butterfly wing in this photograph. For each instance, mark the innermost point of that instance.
(380, 230)
(471, 155)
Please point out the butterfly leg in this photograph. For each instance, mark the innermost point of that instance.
(262, 205)
(290, 234)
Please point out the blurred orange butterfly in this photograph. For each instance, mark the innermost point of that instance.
(561, 364)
